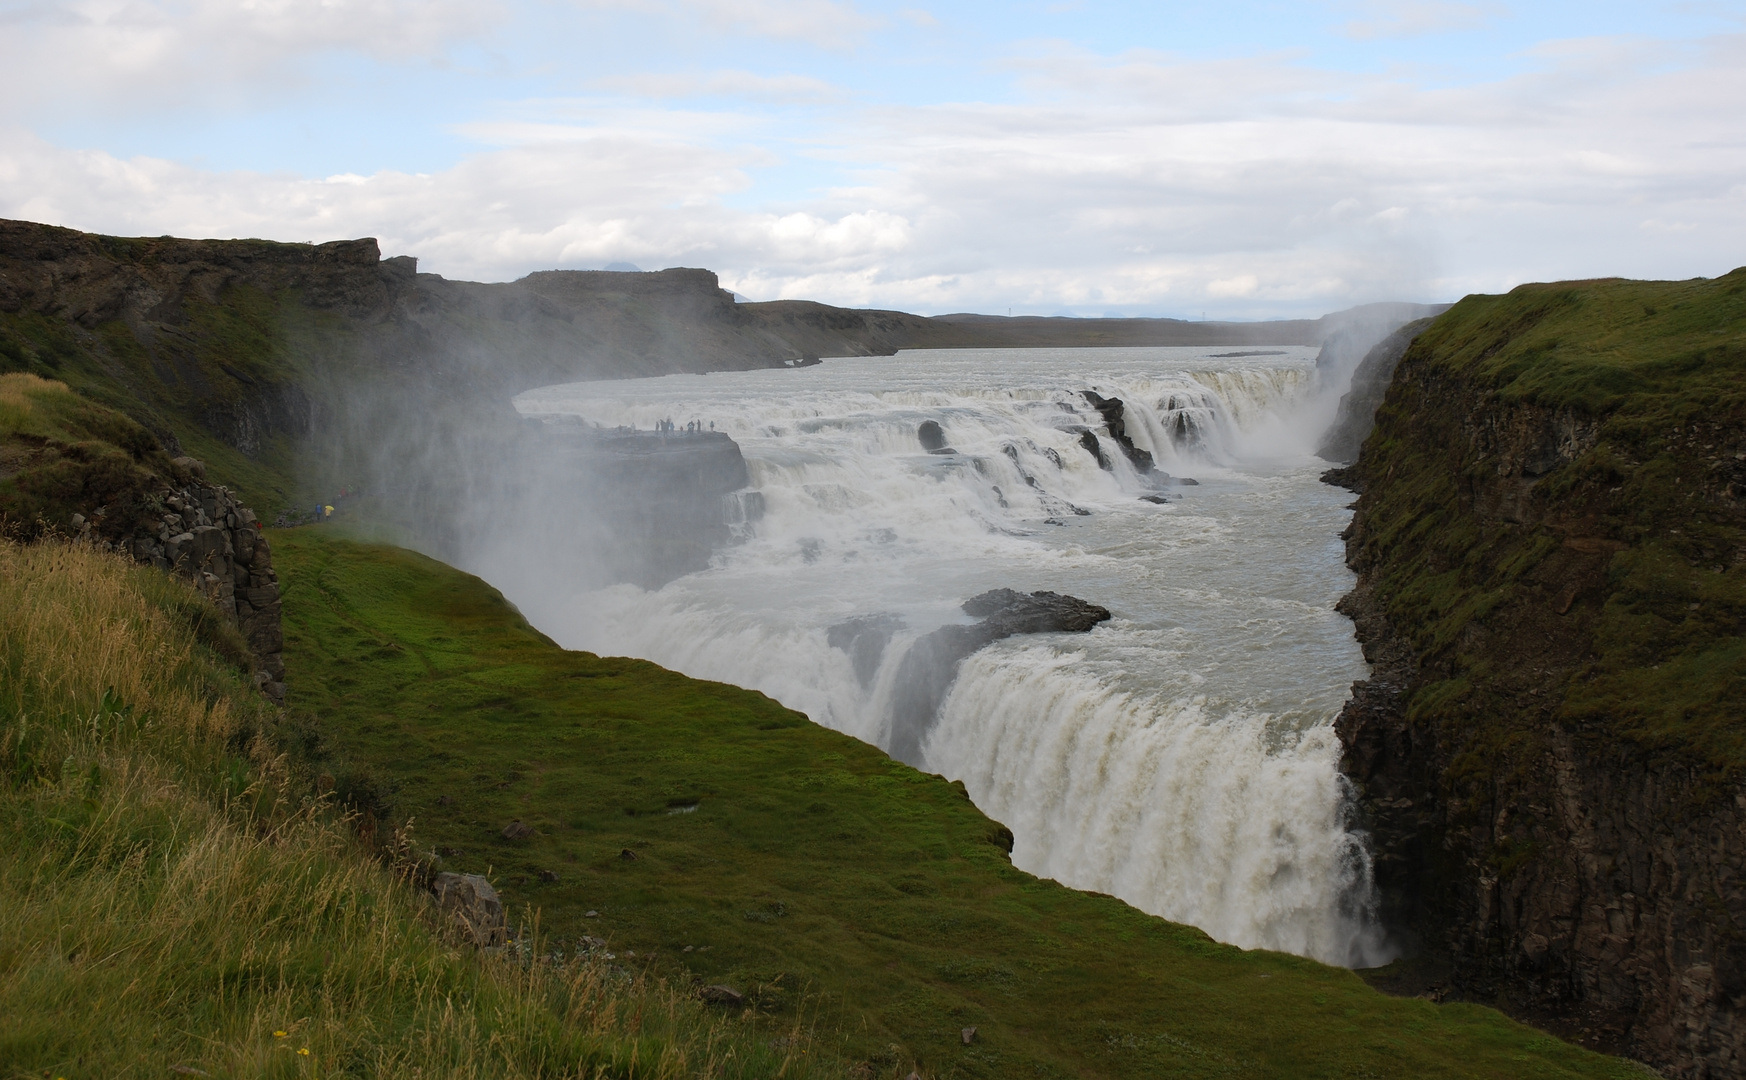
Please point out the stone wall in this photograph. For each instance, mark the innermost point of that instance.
(206, 536)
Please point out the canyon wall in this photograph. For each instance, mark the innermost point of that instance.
(1551, 548)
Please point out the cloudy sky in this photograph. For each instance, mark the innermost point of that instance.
(1239, 158)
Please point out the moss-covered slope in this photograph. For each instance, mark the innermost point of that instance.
(797, 865)
(1552, 549)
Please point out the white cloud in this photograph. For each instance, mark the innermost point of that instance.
(830, 24)
(1241, 285)
(1415, 18)
(136, 54)
(740, 84)
(1135, 182)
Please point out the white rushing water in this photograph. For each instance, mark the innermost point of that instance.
(1180, 756)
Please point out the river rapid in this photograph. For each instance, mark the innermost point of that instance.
(1180, 756)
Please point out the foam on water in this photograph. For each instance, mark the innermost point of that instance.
(1180, 756)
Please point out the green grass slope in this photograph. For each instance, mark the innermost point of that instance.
(171, 902)
(833, 886)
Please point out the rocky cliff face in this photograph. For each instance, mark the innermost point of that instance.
(1551, 543)
(1369, 384)
(638, 506)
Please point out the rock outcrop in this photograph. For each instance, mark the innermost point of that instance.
(72, 468)
(932, 661)
(205, 535)
(1114, 413)
(1551, 549)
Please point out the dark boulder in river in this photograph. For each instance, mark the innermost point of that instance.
(932, 662)
(1006, 612)
(933, 438)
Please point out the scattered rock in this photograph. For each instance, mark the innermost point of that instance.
(591, 914)
(628, 855)
(1159, 499)
(473, 904)
(516, 830)
(968, 1035)
(1185, 481)
(722, 995)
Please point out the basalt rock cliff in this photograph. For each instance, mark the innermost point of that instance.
(1550, 755)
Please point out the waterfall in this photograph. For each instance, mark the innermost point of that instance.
(1181, 756)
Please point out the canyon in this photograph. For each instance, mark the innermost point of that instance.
(1549, 537)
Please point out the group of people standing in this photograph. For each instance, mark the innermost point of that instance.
(667, 427)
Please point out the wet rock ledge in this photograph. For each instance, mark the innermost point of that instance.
(932, 662)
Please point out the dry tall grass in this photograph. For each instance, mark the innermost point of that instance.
(168, 902)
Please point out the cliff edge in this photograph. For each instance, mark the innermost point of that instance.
(1550, 755)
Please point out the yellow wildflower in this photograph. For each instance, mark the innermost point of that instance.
(304, 1051)
(278, 1034)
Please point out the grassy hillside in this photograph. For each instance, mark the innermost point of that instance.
(170, 903)
(826, 882)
